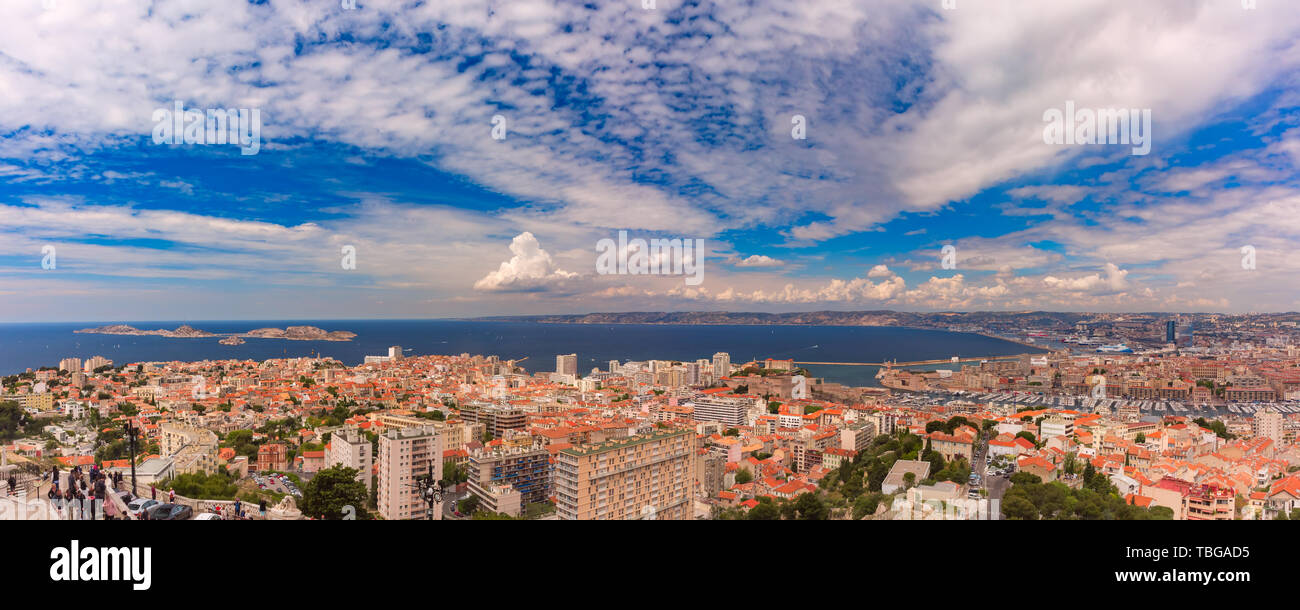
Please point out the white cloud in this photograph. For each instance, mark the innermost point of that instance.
(530, 269)
(759, 260)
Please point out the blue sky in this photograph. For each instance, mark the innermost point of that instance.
(924, 128)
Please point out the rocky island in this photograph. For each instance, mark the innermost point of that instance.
(301, 333)
(185, 331)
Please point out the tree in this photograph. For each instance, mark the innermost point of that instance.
(765, 511)
(811, 507)
(1018, 508)
(12, 419)
(743, 476)
(334, 494)
(1141, 438)
(452, 474)
(866, 505)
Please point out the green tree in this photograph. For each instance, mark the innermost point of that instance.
(765, 511)
(743, 476)
(1018, 508)
(329, 494)
(811, 507)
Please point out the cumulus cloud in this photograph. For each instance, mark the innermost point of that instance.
(1112, 279)
(530, 269)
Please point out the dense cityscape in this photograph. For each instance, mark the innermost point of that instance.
(1122, 417)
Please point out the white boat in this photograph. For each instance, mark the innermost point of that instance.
(1116, 348)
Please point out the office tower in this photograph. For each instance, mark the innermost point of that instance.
(721, 365)
(647, 476)
(567, 364)
(404, 455)
(526, 469)
(730, 411)
(1171, 331)
(70, 364)
(350, 448)
(613, 366)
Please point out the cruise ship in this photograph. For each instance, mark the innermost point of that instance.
(1117, 348)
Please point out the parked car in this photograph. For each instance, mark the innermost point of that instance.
(207, 517)
(159, 511)
(138, 506)
(178, 512)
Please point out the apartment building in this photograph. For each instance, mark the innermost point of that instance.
(1268, 424)
(526, 469)
(404, 455)
(566, 364)
(1056, 425)
(191, 449)
(647, 476)
(37, 402)
(729, 411)
(721, 365)
(350, 448)
(495, 419)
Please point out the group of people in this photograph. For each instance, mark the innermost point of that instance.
(85, 492)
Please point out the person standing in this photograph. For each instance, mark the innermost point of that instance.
(171, 496)
(153, 492)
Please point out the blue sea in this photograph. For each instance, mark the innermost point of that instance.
(24, 346)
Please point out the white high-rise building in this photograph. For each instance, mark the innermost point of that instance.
(1268, 424)
(94, 363)
(613, 366)
(395, 352)
(730, 411)
(721, 365)
(70, 364)
(350, 448)
(405, 454)
(693, 373)
(567, 364)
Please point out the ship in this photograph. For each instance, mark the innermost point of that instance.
(1119, 348)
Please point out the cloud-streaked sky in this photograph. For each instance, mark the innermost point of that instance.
(924, 128)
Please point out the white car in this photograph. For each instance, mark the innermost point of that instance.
(138, 506)
(207, 517)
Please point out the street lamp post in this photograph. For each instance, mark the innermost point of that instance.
(431, 492)
(131, 433)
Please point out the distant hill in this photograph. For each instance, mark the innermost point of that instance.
(1039, 319)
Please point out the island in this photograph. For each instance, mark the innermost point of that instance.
(185, 331)
(301, 333)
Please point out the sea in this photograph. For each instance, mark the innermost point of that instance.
(33, 345)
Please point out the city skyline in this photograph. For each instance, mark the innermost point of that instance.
(474, 160)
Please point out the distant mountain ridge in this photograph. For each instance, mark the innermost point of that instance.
(816, 318)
